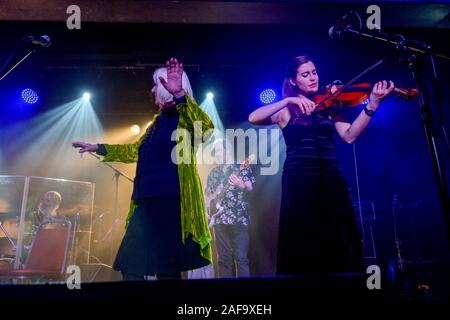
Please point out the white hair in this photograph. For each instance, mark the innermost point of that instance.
(163, 95)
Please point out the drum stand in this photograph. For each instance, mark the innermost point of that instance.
(7, 235)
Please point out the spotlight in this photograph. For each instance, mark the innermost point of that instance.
(86, 96)
(135, 130)
(209, 95)
(29, 96)
(267, 96)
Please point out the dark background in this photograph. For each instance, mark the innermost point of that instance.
(236, 61)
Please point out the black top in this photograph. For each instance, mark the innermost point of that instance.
(310, 149)
(156, 173)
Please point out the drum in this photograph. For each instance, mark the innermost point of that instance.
(8, 232)
(10, 227)
(6, 248)
(6, 263)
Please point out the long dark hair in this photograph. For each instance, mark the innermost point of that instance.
(288, 90)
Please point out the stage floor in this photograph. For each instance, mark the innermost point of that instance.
(277, 295)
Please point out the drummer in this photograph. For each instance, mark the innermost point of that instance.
(48, 206)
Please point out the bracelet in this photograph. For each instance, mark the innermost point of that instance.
(368, 111)
(179, 100)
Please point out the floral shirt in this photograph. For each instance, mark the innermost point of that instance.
(235, 204)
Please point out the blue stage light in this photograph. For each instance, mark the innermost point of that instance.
(268, 96)
(29, 96)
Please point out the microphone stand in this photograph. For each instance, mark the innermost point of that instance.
(17, 64)
(30, 52)
(413, 45)
(413, 49)
(8, 236)
(117, 174)
(400, 272)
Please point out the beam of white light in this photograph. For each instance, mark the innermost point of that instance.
(42, 145)
(2, 165)
(121, 135)
(209, 107)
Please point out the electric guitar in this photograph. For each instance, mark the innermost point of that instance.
(215, 207)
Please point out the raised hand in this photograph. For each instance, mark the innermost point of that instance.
(173, 84)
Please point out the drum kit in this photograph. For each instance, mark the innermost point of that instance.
(9, 229)
(9, 234)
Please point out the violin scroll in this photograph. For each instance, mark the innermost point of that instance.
(407, 93)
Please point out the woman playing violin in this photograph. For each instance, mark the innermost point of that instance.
(317, 227)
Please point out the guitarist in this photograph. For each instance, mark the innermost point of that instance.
(228, 210)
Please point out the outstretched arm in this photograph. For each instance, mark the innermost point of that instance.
(127, 153)
(85, 147)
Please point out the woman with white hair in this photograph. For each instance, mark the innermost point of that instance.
(167, 231)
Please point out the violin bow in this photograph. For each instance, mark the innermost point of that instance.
(352, 81)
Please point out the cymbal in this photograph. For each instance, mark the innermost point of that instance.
(8, 215)
(72, 211)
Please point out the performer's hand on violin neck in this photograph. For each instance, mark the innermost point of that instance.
(85, 147)
(173, 84)
(380, 91)
(305, 105)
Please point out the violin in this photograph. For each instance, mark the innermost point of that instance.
(353, 95)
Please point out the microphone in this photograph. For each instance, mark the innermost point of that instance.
(340, 26)
(43, 40)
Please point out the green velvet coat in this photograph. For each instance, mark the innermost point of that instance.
(193, 218)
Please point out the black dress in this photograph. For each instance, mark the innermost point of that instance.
(152, 243)
(317, 229)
